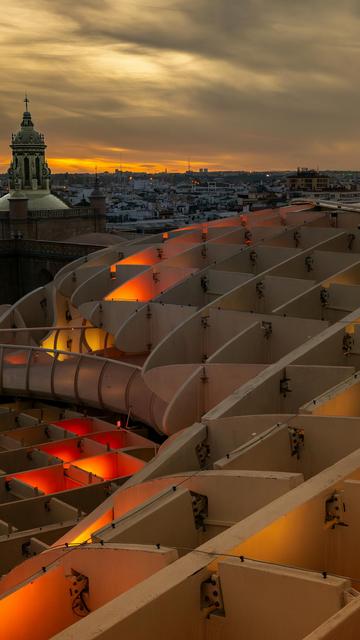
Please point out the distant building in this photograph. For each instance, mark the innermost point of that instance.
(30, 210)
(308, 180)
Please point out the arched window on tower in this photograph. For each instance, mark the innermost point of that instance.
(27, 171)
(37, 161)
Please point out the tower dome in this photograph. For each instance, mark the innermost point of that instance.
(29, 171)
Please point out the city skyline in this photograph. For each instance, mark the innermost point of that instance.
(147, 86)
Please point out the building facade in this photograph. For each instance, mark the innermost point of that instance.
(308, 180)
(30, 210)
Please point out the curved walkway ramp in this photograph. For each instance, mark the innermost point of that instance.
(80, 379)
(108, 375)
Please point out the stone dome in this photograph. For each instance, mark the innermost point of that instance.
(37, 201)
(27, 134)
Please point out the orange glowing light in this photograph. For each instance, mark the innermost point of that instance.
(65, 451)
(165, 235)
(121, 438)
(88, 531)
(111, 465)
(135, 290)
(38, 610)
(145, 258)
(273, 543)
(49, 342)
(95, 339)
(16, 358)
(112, 439)
(48, 480)
(80, 426)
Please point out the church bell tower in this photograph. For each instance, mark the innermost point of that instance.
(28, 170)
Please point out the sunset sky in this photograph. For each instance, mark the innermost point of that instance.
(147, 84)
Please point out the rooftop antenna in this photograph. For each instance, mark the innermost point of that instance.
(189, 166)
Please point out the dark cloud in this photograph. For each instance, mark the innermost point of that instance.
(238, 83)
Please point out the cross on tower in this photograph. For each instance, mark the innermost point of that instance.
(26, 100)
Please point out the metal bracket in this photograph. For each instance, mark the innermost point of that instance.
(200, 508)
(334, 511)
(297, 238)
(309, 263)
(324, 296)
(248, 237)
(211, 594)
(350, 241)
(26, 549)
(297, 439)
(260, 289)
(347, 343)
(205, 321)
(334, 218)
(267, 329)
(253, 258)
(79, 588)
(204, 282)
(285, 386)
(202, 451)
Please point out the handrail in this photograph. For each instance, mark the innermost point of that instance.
(20, 347)
(53, 386)
(49, 328)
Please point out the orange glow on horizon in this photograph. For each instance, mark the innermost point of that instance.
(87, 165)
